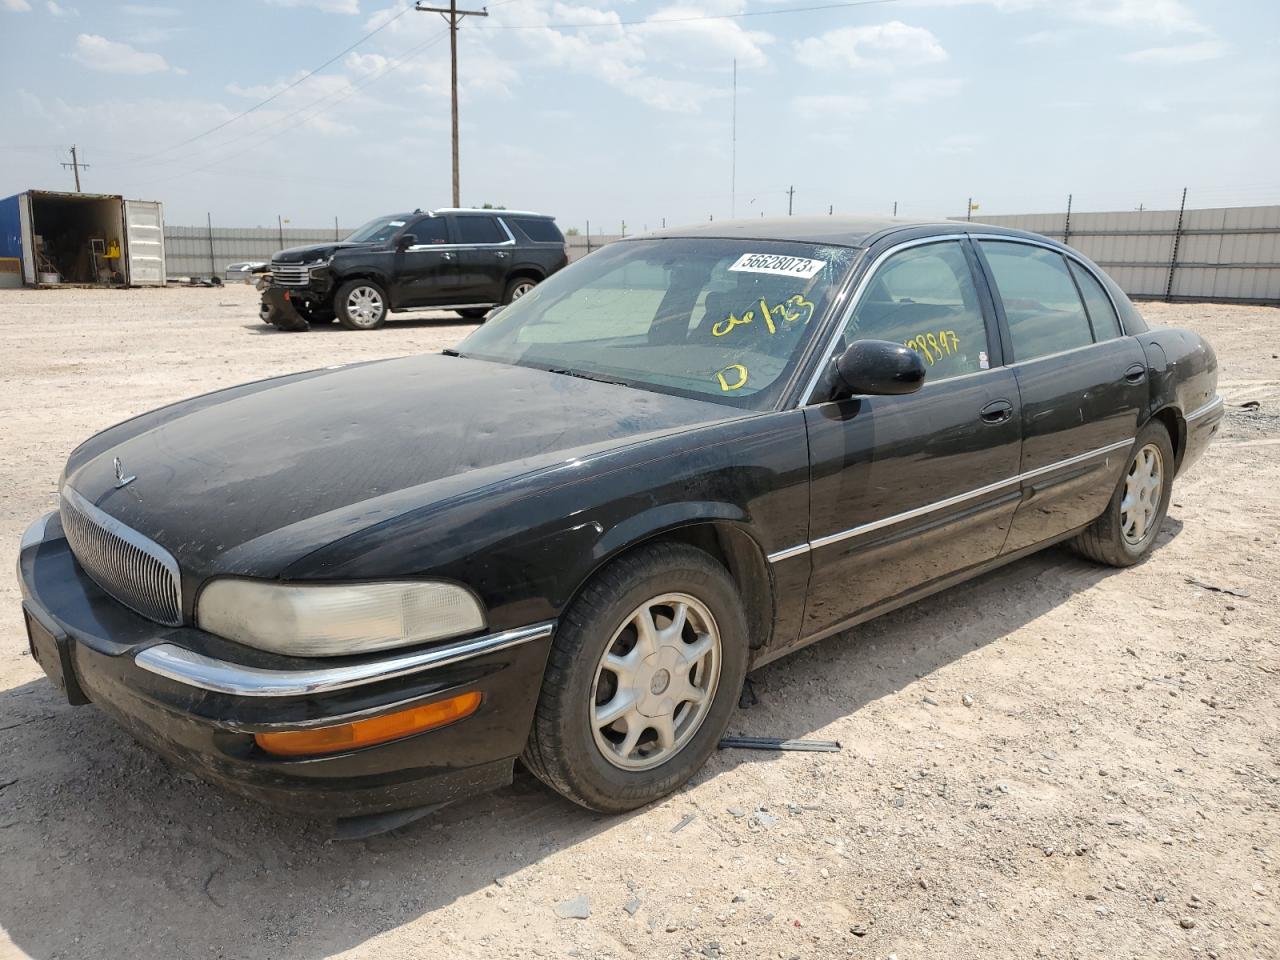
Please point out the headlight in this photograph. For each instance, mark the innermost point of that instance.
(329, 620)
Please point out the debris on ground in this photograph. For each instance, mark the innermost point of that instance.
(773, 743)
(575, 908)
(1216, 589)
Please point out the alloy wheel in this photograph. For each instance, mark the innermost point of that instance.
(656, 681)
(1143, 487)
(521, 288)
(364, 306)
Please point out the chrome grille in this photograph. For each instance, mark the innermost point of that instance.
(290, 274)
(137, 571)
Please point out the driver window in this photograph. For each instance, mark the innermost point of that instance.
(429, 230)
(925, 298)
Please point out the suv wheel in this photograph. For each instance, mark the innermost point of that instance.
(361, 305)
(518, 287)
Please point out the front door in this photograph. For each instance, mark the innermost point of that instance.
(484, 258)
(1082, 386)
(909, 490)
(425, 273)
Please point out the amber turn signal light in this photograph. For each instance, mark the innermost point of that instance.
(365, 733)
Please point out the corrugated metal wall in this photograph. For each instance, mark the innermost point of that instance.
(1227, 253)
(187, 248)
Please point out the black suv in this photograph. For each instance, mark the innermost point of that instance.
(451, 259)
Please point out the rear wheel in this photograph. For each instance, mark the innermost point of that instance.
(517, 288)
(474, 313)
(1126, 533)
(643, 676)
(361, 305)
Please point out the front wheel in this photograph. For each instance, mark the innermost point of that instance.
(643, 676)
(361, 305)
(1126, 533)
(473, 313)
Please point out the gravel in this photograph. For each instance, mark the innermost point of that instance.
(108, 851)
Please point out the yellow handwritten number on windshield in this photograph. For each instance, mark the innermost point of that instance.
(793, 310)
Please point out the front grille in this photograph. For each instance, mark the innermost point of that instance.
(138, 572)
(290, 274)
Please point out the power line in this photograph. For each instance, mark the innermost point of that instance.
(691, 19)
(388, 67)
(283, 90)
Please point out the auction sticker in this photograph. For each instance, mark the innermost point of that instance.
(779, 264)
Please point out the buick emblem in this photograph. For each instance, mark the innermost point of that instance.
(121, 479)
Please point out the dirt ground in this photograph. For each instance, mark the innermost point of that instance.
(1056, 760)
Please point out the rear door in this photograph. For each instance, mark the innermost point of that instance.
(1082, 386)
(425, 273)
(484, 257)
(909, 490)
(144, 242)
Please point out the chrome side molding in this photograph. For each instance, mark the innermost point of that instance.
(943, 504)
(220, 676)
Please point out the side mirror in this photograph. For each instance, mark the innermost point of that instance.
(406, 241)
(879, 367)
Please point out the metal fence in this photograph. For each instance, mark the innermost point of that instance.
(203, 252)
(1227, 253)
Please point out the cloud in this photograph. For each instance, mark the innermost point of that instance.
(146, 10)
(959, 143)
(1183, 53)
(15, 6)
(109, 56)
(328, 6)
(1167, 16)
(819, 108)
(924, 89)
(62, 13)
(883, 47)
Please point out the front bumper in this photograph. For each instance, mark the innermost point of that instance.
(198, 699)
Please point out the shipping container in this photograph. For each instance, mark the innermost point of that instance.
(82, 238)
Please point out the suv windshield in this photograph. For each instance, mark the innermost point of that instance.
(715, 319)
(376, 231)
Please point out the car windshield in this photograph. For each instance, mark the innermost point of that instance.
(376, 231)
(715, 319)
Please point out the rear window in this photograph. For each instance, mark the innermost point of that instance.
(479, 230)
(539, 230)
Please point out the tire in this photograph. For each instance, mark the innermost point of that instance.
(1126, 533)
(517, 288)
(361, 305)
(567, 752)
(473, 313)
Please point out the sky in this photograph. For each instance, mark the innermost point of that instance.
(623, 111)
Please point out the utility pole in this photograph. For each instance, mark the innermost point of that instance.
(968, 209)
(213, 269)
(453, 16)
(75, 165)
(791, 193)
(733, 149)
(895, 208)
(280, 230)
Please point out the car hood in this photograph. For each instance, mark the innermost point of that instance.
(253, 479)
(311, 253)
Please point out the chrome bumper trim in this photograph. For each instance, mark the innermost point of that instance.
(1205, 410)
(195, 670)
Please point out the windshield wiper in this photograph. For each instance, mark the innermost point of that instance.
(585, 376)
(450, 352)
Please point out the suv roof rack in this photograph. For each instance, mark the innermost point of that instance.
(493, 212)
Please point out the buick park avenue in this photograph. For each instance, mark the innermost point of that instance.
(565, 542)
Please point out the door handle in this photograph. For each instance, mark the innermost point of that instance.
(500, 254)
(446, 255)
(997, 411)
(1135, 374)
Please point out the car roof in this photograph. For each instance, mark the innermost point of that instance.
(492, 211)
(850, 231)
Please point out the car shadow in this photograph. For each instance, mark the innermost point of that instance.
(435, 320)
(109, 851)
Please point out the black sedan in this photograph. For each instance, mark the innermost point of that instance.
(363, 589)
